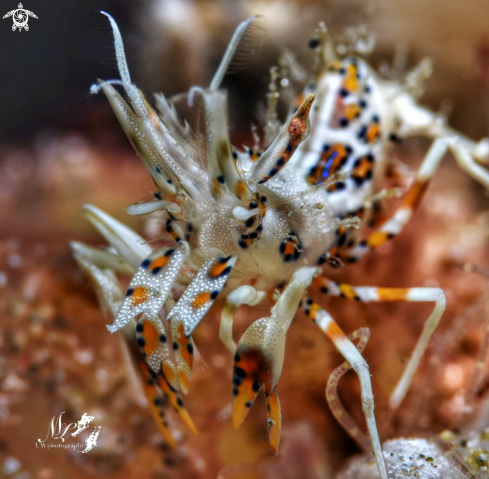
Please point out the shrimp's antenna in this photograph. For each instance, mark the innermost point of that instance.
(119, 50)
(238, 35)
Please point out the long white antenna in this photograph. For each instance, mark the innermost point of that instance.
(230, 51)
(119, 50)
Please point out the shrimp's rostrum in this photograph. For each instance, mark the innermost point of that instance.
(248, 225)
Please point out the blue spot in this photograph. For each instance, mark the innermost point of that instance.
(145, 263)
(273, 172)
(221, 180)
(280, 162)
(129, 292)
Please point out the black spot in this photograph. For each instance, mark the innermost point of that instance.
(362, 132)
(163, 338)
(261, 181)
(170, 182)
(150, 382)
(391, 235)
(362, 104)
(341, 71)
(253, 204)
(175, 345)
(129, 292)
(240, 372)
(367, 89)
(235, 391)
(157, 196)
(363, 243)
(321, 260)
(249, 222)
(358, 180)
(190, 348)
(324, 290)
(190, 227)
(139, 328)
(253, 235)
(309, 301)
(394, 138)
(226, 271)
(236, 381)
(156, 270)
(158, 170)
(235, 155)
(214, 294)
(357, 163)
(326, 147)
(256, 386)
(343, 93)
(179, 401)
(343, 122)
(282, 246)
(248, 404)
(348, 149)
(339, 186)
(375, 119)
(370, 157)
(161, 414)
(220, 179)
(306, 310)
(157, 401)
(259, 228)
(146, 263)
(273, 172)
(280, 162)
(141, 342)
(357, 298)
(289, 148)
(313, 43)
(223, 260)
(237, 358)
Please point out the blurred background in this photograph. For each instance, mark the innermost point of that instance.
(61, 147)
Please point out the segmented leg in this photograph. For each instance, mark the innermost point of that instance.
(339, 412)
(191, 308)
(260, 355)
(241, 295)
(393, 227)
(327, 324)
(368, 293)
(110, 295)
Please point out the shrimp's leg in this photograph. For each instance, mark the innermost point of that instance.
(348, 350)
(259, 356)
(391, 228)
(368, 294)
(241, 295)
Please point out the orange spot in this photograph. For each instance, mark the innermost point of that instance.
(275, 420)
(151, 337)
(373, 132)
(289, 247)
(334, 332)
(352, 111)
(169, 372)
(217, 269)
(201, 300)
(216, 187)
(378, 238)
(364, 167)
(415, 194)
(139, 295)
(347, 291)
(184, 381)
(351, 80)
(313, 310)
(241, 189)
(395, 294)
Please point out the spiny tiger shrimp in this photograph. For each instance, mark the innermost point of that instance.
(249, 225)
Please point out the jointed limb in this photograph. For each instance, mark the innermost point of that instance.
(241, 295)
(348, 350)
(367, 294)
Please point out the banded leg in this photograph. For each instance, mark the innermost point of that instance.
(430, 164)
(260, 355)
(339, 412)
(110, 296)
(241, 295)
(348, 350)
(368, 294)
